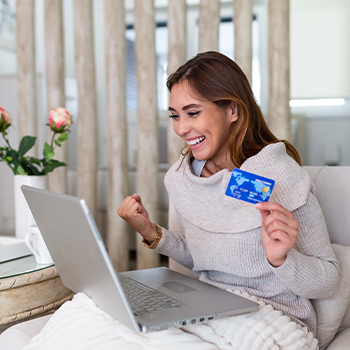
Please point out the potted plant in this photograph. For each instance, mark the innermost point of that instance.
(30, 170)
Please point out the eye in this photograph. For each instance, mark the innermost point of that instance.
(173, 116)
(193, 114)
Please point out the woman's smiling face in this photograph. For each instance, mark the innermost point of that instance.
(204, 126)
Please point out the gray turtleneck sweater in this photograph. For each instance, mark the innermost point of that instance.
(221, 242)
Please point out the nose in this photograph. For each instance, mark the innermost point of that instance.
(182, 126)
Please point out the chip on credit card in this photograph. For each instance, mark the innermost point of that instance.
(249, 187)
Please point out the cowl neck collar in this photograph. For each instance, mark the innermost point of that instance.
(202, 200)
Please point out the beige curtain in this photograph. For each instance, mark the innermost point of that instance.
(55, 74)
(279, 88)
(242, 19)
(26, 77)
(147, 120)
(209, 21)
(87, 110)
(176, 57)
(117, 236)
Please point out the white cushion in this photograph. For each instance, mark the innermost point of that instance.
(19, 335)
(80, 325)
(330, 312)
(333, 193)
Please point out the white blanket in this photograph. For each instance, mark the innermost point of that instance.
(80, 325)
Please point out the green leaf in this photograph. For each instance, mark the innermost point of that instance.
(8, 159)
(35, 160)
(63, 137)
(33, 168)
(20, 170)
(57, 143)
(53, 164)
(48, 152)
(15, 160)
(12, 153)
(26, 144)
(24, 164)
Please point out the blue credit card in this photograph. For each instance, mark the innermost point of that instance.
(249, 187)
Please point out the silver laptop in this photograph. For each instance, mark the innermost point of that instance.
(144, 300)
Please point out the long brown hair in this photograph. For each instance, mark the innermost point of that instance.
(218, 79)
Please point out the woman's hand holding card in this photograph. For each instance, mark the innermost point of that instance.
(279, 231)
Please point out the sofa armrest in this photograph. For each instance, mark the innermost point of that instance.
(341, 341)
(346, 320)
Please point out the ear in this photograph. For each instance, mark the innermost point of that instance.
(233, 112)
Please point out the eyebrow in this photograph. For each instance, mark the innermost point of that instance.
(185, 108)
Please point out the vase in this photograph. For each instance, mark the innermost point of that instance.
(23, 215)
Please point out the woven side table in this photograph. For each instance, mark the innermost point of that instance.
(28, 289)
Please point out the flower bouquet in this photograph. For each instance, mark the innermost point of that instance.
(29, 170)
(60, 122)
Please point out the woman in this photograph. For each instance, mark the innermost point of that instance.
(279, 250)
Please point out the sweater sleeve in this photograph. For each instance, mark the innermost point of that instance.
(174, 246)
(311, 269)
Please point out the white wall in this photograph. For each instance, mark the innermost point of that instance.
(320, 56)
(8, 63)
(319, 48)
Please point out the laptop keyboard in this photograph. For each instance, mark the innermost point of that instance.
(144, 299)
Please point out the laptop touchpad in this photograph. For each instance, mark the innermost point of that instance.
(177, 287)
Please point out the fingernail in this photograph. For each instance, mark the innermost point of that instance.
(257, 205)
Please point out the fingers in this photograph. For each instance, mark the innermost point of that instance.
(132, 205)
(283, 233)
(277, 244)
(134, 213)
(270, 206)
(275, 218)
(270, 212)
(129, 208)
(137, 198)
(279, 231)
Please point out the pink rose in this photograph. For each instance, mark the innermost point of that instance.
(5, 120)
(60, 120)
(6, 115)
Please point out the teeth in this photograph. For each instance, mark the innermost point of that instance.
(196, 141)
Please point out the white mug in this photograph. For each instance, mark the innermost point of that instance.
(35, 243)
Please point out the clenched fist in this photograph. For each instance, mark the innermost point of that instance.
(135, 214)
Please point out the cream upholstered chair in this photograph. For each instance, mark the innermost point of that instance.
(333, 194)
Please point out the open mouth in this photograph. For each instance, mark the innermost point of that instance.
(196, 141)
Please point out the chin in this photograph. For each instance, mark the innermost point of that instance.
(199, 156)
